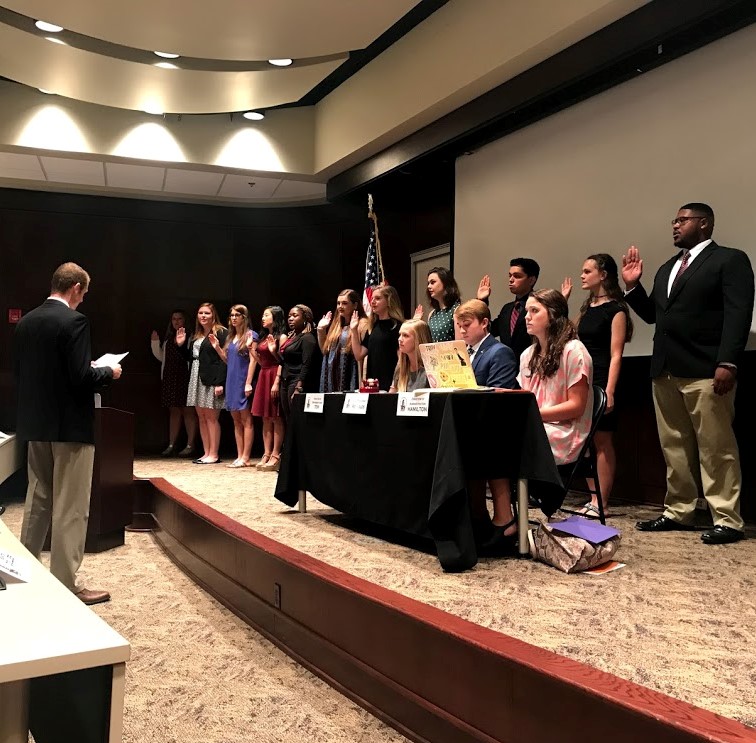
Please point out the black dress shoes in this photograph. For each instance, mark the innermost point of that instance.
(169, 451)
(662, 524)
(721, 535)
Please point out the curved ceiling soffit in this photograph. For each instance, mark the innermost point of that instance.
(229, 30)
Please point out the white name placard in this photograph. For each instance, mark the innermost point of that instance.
(15, 567)
(413, 405)
(355, 403)
(314, 402)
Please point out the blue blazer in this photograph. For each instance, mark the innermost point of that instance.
(495, 365)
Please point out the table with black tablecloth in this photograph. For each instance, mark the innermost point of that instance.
(411, 473)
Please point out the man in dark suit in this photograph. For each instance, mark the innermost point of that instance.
(56, 384)
(702, 304)
(510, 324)
(494, 365)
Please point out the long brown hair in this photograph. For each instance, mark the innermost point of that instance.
(604, 262)
(241, 333)
(422, 334)
(334, 331)
(559, 332)
(451, 290)
(198, 331)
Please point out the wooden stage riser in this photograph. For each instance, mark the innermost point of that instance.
(432, 676)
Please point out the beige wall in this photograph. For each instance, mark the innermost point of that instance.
(612, 171)
(463, 50)
(282, 142)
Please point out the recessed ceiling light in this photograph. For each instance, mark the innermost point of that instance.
(46, 92)
(166, 65)
(168, 55)
(50, 28)
(56, 41)
(280, 62)
(153, 110)
(253, 115)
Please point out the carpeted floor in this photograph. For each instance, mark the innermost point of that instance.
(680, 618)
(197, 673)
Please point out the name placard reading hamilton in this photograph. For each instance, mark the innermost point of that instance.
(412, 405)
(355, 403)
(314, 402)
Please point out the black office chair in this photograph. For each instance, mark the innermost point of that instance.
(585, 464)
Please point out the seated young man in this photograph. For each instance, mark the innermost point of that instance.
(494, 365)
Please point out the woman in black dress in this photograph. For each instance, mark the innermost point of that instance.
(174, 383)
(381, 341)
(300, 369)
(604, 326)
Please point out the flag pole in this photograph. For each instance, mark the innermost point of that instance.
(372, 215)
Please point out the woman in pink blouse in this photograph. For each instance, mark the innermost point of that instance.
(558, 370)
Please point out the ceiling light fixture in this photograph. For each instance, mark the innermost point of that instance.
(46, 92)
(166, 65)
(280, 62)
(153, 110)
(50, 28)
(56, 41)
(253, 115)
(167, 55)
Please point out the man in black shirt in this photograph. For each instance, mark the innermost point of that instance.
(510, 324)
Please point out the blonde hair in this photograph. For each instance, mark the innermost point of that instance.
(198, 331)
(334, 331)
(395, 311)
(421, 333)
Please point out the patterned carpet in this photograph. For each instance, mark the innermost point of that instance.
(680, 618)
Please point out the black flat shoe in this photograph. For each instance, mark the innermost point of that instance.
(169, 451)
(662, 524)
(722, 535)
(187, 452)
(498, 543)
(212, 461)
(197, 461)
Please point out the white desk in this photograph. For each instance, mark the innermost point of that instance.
(47, 631)
(10, 456)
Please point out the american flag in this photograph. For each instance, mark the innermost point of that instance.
(374, 275)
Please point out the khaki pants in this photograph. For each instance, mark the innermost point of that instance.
(699, 446)
(60, 483)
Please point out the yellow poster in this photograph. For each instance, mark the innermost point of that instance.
(448, 365)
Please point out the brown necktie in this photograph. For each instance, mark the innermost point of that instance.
(683, 266)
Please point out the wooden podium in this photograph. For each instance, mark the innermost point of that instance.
(111, 504)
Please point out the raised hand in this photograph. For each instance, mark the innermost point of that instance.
(419, 310)
(213, 340)
(484, 288)
(154, 336)
(271, 341)
(632, 267)
(354, 323)
(325, 321)
(566, 287)
(180, 336)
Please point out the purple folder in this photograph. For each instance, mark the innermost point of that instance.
(592, 531)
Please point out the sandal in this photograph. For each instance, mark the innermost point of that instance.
(592, 512)
(271, 465)
(265, 459)
(235, 464)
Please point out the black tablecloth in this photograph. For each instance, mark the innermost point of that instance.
(411, 473)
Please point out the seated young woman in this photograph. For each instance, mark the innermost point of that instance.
(558, 370)
(409, 374)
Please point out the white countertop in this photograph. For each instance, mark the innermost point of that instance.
(45, 629)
